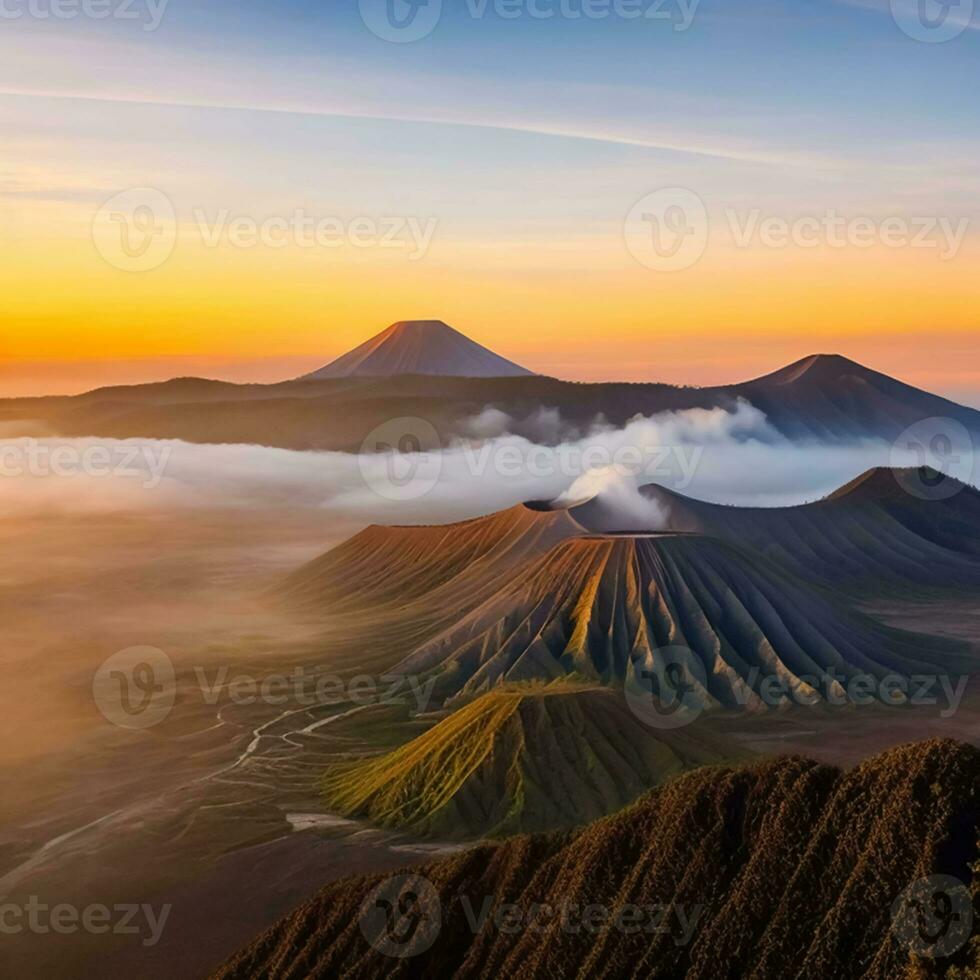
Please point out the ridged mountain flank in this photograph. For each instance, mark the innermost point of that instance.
(745, 634)
(427, 347)
(785, 869)
(521, 758)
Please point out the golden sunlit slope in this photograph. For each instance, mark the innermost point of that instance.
(785, 869)
(885, 530)
(604, 607)
(517, 759)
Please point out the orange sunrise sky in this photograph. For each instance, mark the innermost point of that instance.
(528, 153)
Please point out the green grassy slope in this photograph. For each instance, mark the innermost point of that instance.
(518, 759)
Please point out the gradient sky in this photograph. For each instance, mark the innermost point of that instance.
(528, 141)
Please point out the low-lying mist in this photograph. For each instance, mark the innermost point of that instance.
(725, 456)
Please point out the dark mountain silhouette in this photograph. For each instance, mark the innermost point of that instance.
(824, 397)
(884, 531)
(829, 397)
(783, 869)
(428, 347)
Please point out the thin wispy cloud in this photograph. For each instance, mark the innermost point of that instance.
(557, 129)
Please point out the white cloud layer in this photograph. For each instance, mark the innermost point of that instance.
(732, 457)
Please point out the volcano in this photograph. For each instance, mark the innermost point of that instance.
(433, 565)
(871, 533)
(426, 347)
(830, 397)
(605, 608)
(888, 531)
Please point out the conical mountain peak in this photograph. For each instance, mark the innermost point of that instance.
(428, 347)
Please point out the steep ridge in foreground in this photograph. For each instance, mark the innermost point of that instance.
(518, 759)
(888, 529)
(787, 869)
(741, 633)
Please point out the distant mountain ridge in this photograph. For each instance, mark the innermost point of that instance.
(873, 535)
(830, 397)
(428, 370)
(428, 347)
